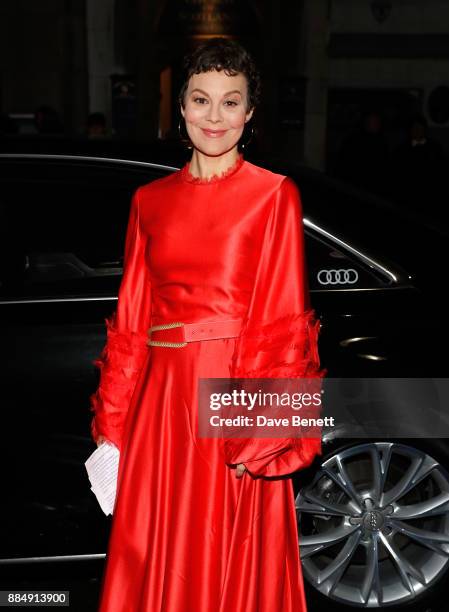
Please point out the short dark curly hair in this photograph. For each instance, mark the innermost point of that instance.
(223, 54)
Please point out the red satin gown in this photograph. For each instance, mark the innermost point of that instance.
(186, 534)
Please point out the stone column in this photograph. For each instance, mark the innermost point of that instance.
(314, 35)
(100, 55)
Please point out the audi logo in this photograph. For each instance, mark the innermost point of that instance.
(373, 520)
(338, 277)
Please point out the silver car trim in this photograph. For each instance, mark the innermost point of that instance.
(87, 158)
(371, 262)
(68, 299)
(114, 297)
(51, 559)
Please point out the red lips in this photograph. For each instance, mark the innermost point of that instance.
(213, 133)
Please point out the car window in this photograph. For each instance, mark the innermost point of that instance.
(374, 226)
(331, 267)
(63, 229)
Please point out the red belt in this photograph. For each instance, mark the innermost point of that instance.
(178, 334)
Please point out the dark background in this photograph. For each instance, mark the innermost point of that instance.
(324, 64)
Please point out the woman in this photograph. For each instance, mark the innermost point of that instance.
(198, 525)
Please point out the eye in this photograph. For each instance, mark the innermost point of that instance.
(231, 102)
(197, 100)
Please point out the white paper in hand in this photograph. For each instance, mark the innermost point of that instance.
(102, 469)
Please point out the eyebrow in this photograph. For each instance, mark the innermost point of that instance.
(226, 94)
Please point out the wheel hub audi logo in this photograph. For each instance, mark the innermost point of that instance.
(343, 276)
(373, 520)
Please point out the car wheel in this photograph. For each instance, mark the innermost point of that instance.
(373, 526)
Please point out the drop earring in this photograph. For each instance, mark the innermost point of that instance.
(184, 137)
(245, 144)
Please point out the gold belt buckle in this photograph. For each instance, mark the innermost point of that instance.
(164, 343)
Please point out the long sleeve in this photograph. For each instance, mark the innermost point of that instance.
(122, 357)
(279, 337)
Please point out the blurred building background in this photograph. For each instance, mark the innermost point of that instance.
(324, 63)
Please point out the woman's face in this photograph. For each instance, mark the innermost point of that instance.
(215, 111)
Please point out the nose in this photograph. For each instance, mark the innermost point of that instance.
(214, 113)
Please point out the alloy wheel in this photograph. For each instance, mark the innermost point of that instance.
(374, 524)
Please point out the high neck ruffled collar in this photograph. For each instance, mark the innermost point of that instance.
(215, 178)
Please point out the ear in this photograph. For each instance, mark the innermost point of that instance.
(249, 114)
(181, 109)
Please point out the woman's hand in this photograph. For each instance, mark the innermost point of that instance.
(240, 470)
(101, 439)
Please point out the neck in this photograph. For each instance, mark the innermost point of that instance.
(205, 166)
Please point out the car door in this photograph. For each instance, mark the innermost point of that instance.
(62, 243)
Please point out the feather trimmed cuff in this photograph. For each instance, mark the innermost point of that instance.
(284, 348)
(120, 364)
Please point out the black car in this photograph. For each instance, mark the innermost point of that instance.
(373, 514)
